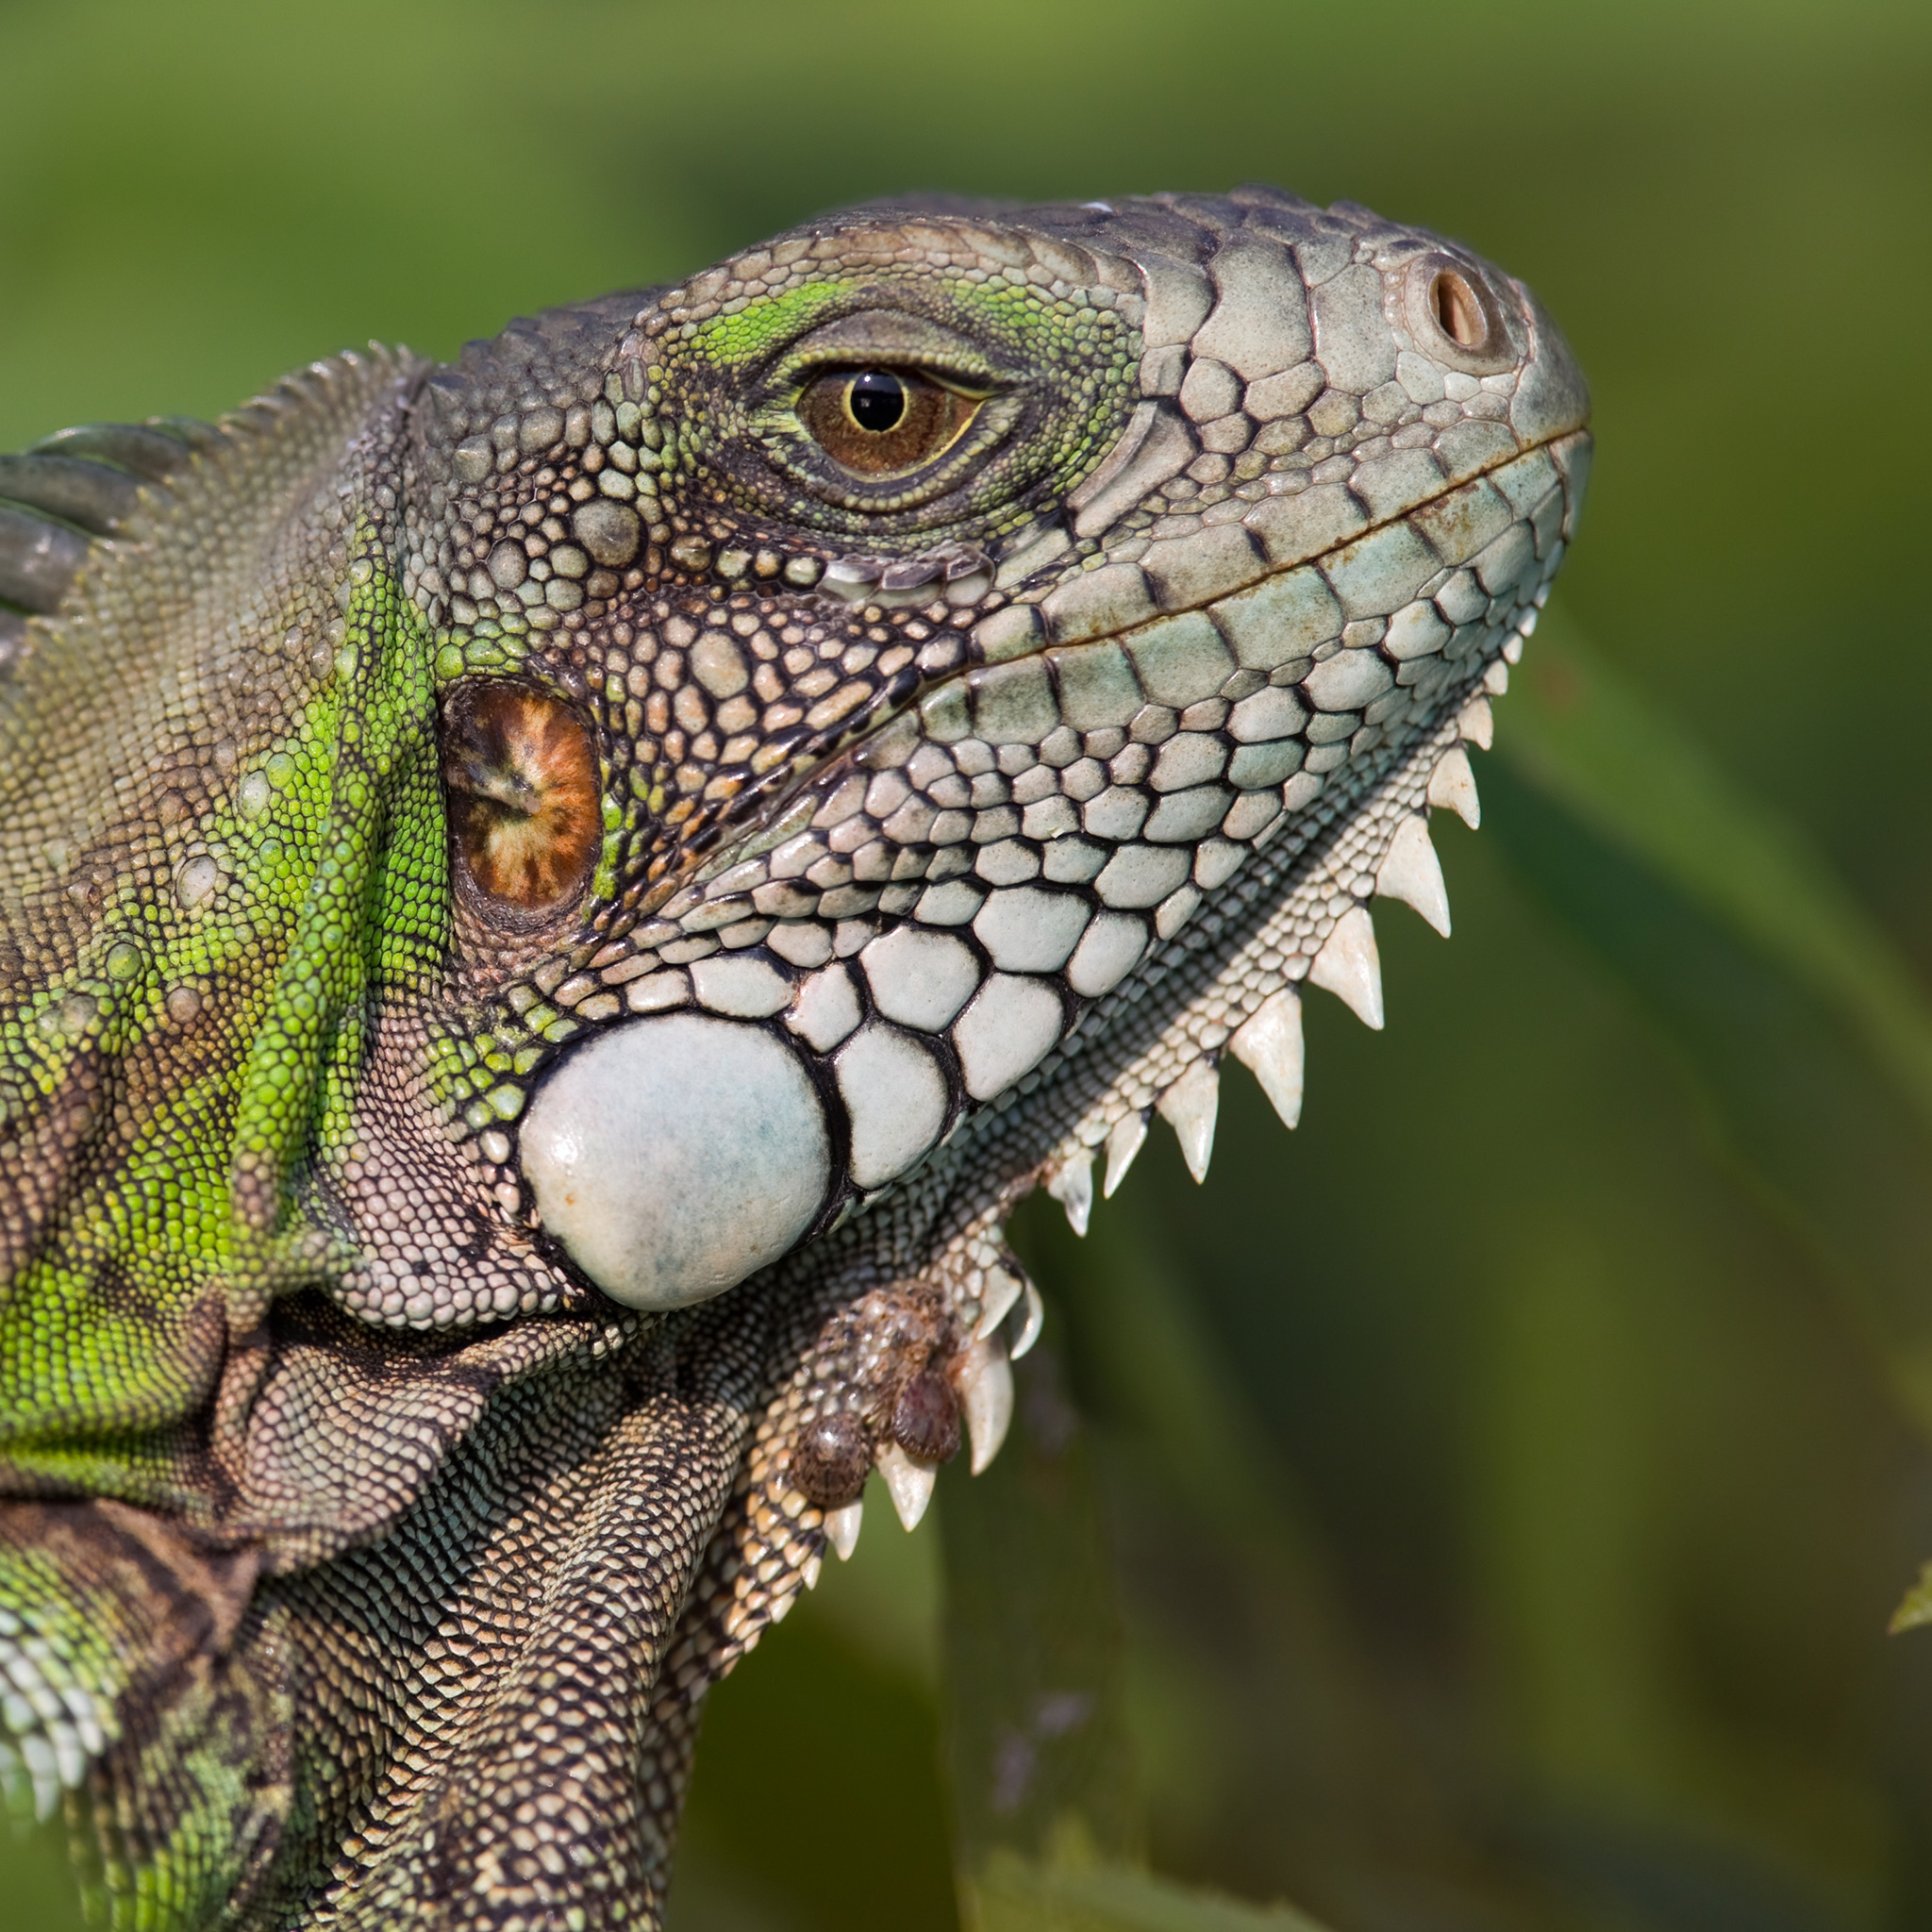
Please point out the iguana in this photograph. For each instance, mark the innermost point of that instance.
(550, 905)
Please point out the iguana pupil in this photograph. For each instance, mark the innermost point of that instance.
(876, 400)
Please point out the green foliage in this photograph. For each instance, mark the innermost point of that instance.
(1792, 1010)
(1505, 1483)
(1038, 1746)
(1018, 1898)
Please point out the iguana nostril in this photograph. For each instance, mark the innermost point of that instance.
(1457, 318)
(1458, 313)
(672, 1156)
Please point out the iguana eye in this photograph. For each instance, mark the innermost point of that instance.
(522, 780)
(884, 422)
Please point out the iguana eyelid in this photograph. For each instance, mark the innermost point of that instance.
(975, 388)
(889, 339)
(875, 334)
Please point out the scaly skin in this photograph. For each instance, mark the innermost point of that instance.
(577, 768)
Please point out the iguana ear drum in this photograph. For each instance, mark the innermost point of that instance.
(522, 781)
(676, 1155)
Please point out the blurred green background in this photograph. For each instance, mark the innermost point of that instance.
(1489, 1500)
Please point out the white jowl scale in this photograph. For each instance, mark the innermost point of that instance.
(676, 1155)
(1029, 930)
(920, 978)
(896, 1098)
(1006, 1031)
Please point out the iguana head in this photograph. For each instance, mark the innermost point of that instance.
(870, 670)
(607, 870)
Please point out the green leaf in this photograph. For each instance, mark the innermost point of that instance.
(1577, 733)
(1015, 1896)
(1041, 1761)
(37, 1878)
(1917, 1607)
(1049, 1831)
(1806, 1033)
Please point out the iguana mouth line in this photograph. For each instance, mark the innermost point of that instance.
(851, 744)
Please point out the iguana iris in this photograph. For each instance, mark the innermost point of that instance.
(550, 905)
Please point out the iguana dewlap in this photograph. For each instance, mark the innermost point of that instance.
(549, 908)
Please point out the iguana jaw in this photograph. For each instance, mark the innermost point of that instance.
(889, 1098)
(923, 1284)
